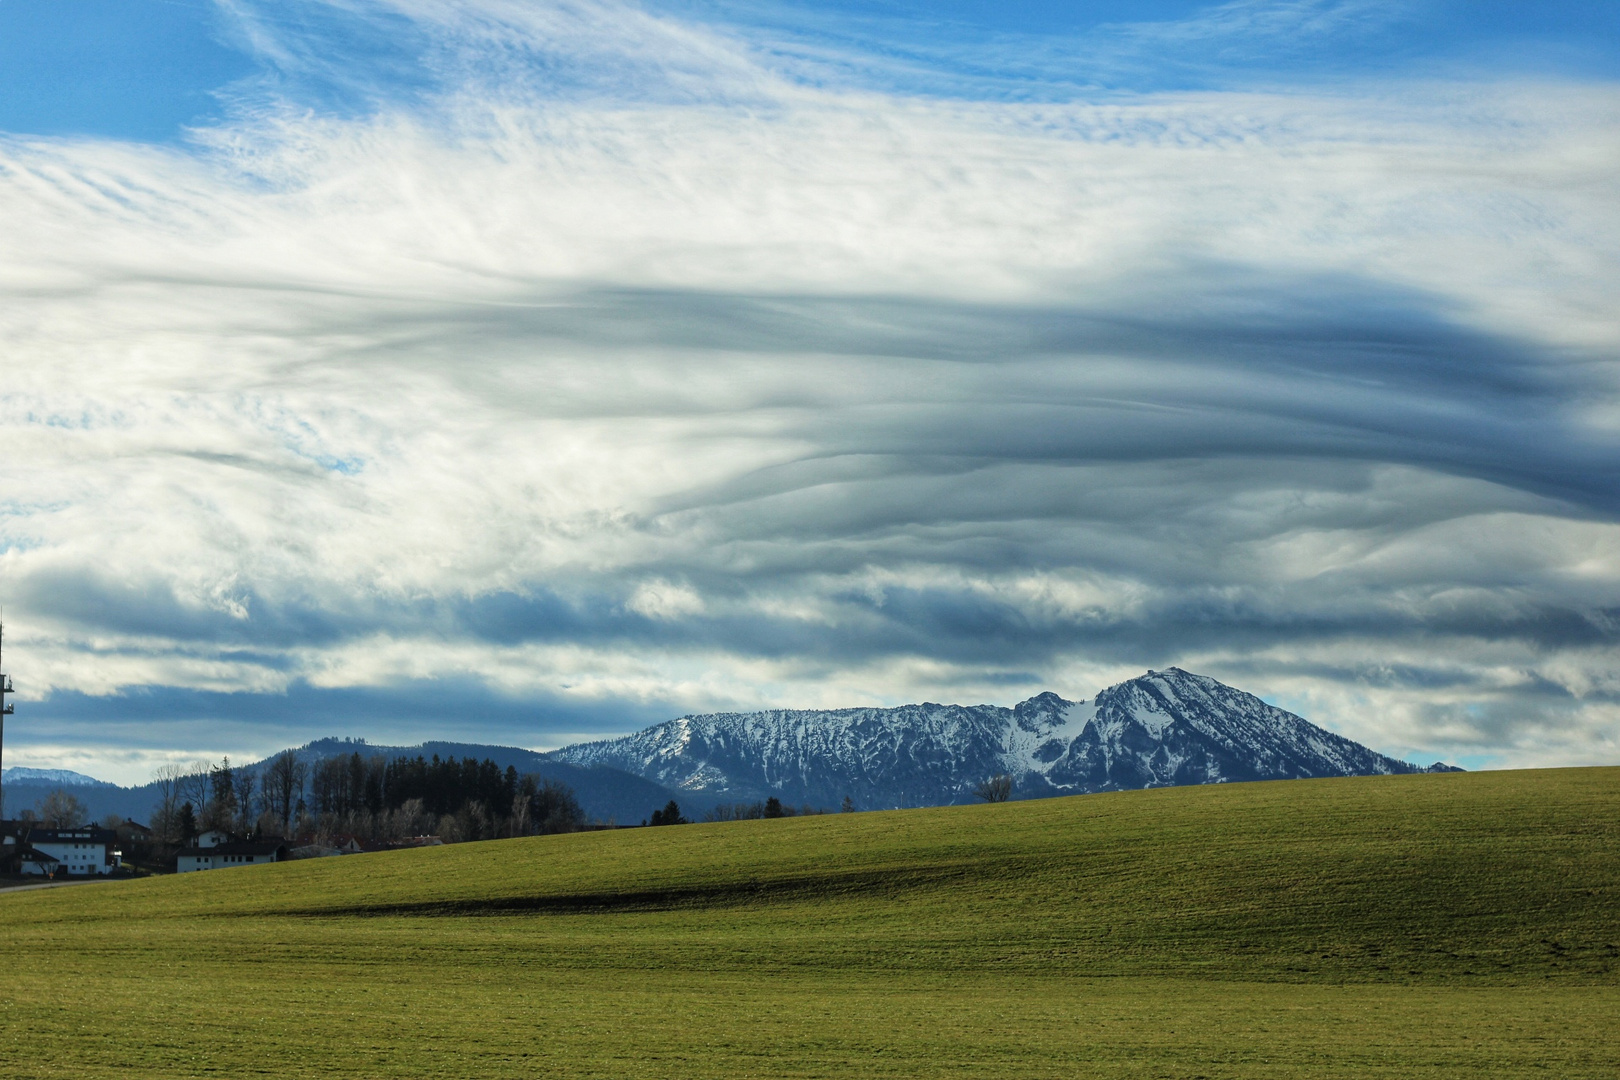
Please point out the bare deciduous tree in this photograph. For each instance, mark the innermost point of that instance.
(62, 810)
(520, 814)
(246, 783)
(284, 786)
(996, 789)
(166, 811)
(193, 785)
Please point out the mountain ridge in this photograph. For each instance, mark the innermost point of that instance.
(1163, 728)
(24, 774)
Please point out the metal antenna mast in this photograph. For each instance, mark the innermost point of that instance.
(6, 709)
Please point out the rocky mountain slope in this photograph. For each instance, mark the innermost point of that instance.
(1166, 727)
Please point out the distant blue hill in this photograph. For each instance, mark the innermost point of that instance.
(605, 794)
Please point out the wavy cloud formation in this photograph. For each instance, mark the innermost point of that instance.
(577, 366)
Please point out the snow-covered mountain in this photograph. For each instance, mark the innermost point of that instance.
(22, 774)
(1166, 727)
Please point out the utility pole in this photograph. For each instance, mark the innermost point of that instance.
(6, 709)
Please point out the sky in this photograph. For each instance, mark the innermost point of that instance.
(530, 372)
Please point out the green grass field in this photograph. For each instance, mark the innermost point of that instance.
(1427, 926)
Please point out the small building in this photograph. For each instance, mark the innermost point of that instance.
(323, 847)
(81, 852)
(28, 862)
(313, 851)
(218, 855)
(134, 832)
(19, 857)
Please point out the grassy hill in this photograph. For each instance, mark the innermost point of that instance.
(1448, 925)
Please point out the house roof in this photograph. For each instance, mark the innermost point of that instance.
(313, 851)
(91, 834)
(239, 847)
(346, 842)
(229, 838)
(26, 853)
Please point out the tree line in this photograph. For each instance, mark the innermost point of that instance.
(373, 798)
(772, 807)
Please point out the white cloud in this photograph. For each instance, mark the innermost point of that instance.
(726, 391)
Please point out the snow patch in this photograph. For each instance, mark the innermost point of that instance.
(22, 774)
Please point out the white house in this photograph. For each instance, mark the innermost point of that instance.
(221, 851)
(83, 851)
(17, 857)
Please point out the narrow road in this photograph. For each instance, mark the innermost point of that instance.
(46, 885)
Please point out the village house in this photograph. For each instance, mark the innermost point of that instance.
(216, 850)
(312, 847)
(27, 861)
(134, 832)
(82, 851)
(17, 856)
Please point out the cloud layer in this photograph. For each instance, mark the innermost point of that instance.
(576, 366)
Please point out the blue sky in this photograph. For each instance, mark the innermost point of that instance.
(149, 69)
(525, 372)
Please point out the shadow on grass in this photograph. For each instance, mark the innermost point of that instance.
(874, 884)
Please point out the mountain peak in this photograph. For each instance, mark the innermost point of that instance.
(1045, 702)
(1178, 675)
